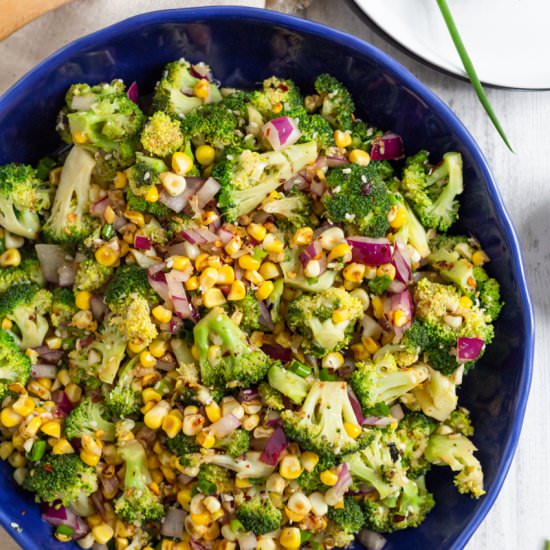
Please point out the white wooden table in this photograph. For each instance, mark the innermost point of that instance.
(519, 519)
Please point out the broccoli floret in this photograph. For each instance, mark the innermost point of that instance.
(432, 190)
(413, 434)
(88, 418)
(212, 475)
(184, 447)
(259, 515)
(350, 518)
(411, 232)
(28, 271)
(138, 503)
(161, 135)
(15, 366)
(338, 105)
(63, 306)
(23, 196)
(310, 315)
(249, 309)
(460, 422)
(287, 383)
(238, 363)
(363, 135)
(91, 275)
(409, 509)
(274, 300)
(379, 285)
(272, 398)
(174, 92)
(294, 210)
(121, 400)
(316, 128)
(247, 177)
(457, 451)
(319, 425)
(249, 466)
(359, 198)
(139, 204)
(154, 232)
(311, 482)
(145, 174)
(488, 293)
(27, 305)
(382, 381)
(60, 478)
(69, 217)
(103, 120)
(278, 98)
(235, 444)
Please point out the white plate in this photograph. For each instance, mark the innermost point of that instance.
(508, 40)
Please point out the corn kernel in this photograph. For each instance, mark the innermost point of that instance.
(162, 314)
(273, 244)
(147, 359)
(62, 447)
(106, 256)
(253, 277)
(153, 418)
(269, 270)
(10, 258)
(51, 428)
(79, 137)
(213, 297)
(479, 258)
(6, 323)
(201, 261)
(208, 217)
(203, 518)
(6, 448)
(358, 156)
(205, 154)
(465, 302)
(354, 272)
(135, 217)
(32, 427)
(136, 346)
(83, 299)
(182, 163)
(241, 483)
(353, 430)
(181, 263)
(257, 231)
(400, 318)
(205, 439)
(249, 263)
(120, 180)
(293, 516)
(184, 498)
(38, 389)
(265, 290)
(45, 382)
(102, 533)
(226, 275)
(386, 270)
(24, 405)
(17, 460)
(299, 503)
(208, 278)
(328, 477)
(109, 215)
(399, 218)
(340, 251)
(172, 425)
(54, 342)
(237, 291)
(158, 348)
(290, 467)
(192, 283)
(290, 538)
(340, 315)
(377, 307)
(9, 418)
(302, 237)
(91, 445)
(342, 139)
(333, 360)
(309, 460)
(174, 184)
(371, 345)
(277, 107)
(360, 353)
(150, 394)
(152, 194)
(234, 245)
(202, 88)
(213, 412)
(89, 458)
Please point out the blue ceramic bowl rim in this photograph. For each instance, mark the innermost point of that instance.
(407, 78)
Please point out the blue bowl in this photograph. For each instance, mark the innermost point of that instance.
(244, 46)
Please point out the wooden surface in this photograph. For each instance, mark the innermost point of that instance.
(519, 518)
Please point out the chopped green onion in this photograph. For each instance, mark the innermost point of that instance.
(236, 526)
(107, 232)
(305, 536)
(64, 530)
(37, 451)
(469, 68)
(325, 376)
(300, 369)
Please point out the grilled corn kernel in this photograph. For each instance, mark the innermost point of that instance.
(237, 291)
(290, 467)
(153, 418)
(158, 347)
(120, 181)
(257, 231)
(106, 256)
(213, 297)
(358, 156)
(17, 460)
(135, 217)
(250, 422)
(212, 504)
(10, 258)
(89, 458)
(290, 538)
(265, 290)
(32, 427)
(91, 445)
(201, 261)
(150, 394)
(193, 424)
(208, 278)
(9, 418)
(340, 315)
(6, 323)
(38, 389)
(24, 405)
(342, 139)
(293, 516)
(54, 343)
(147, 359)
(277, 108)
(377, 307)
(273, 244)
(51, 428)
(213, 412)
(226, 275)
(182, 163)
(465, 302)
(202, 88)
(172, 424)
(204, 518)
(340, 251)
(241, 483)
(354, 272)
(371, 345)
(299, 503)
(109, 215)
(386, 270)
(62, 447)
(184, 498)
(353, 430)
(302, 237)
(103, 533)
(249, 263)
(333, 360)
(269, 270)
(328, 477)
(205, 439)
(400, 318)
(360, 353)
(192, 283)
(83, 299)
(152, 194)
(234, 245)
(136, 346)
(162, 314)
(309, 460)
(205, 154)
(398, 218)
(208, 217)
(174, 184)
(275, 483)
(479, 258)
(254, 277)
(6, 448)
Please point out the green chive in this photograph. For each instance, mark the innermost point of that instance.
(469, 68)
(300, 369)
(64, 530)
(37, 451)
(107, 232)
(325, 376)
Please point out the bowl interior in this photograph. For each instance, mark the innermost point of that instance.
(244, 46)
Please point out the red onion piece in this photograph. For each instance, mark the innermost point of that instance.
(207, 192)
(371, 540)
(344, 482)
(133, 92)
(66, 275)
(63, 403)
(336, 160)
(225, 426)
(172, 526)
(99, 308)
(183, 307)
(356, 406)
(51, 257)
(109, 484)
(274, 447)
(317, 188)
(312, 252)
(176, 203)
(380, 422)
(98, 207)
(85, 342)
(281, 132)
(397, 411)
(157, 280)
(43, 370)
(201, 70)
(141, 242)
(277, 352)
(265, 317)
(224, 235)
(388, 147)
(402, 266)
(248, 394)
(247, 541)
(369, 251)
(469, 349)
(60, 515)
(403, 302)
(49, 355)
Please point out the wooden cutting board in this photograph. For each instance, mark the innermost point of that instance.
(15, 14)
